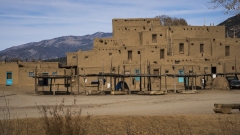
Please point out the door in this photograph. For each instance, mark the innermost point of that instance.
(137, 71)
(9, 80)
(180, 79)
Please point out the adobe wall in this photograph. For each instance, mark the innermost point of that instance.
(9, 67)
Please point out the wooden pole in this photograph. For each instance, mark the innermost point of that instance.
(166, 82)
(51, 84)
(160, 79)
(111, 76)
(35, 80)
(144, 82)
(54, 86)
(195, 81)
(192, 78)
(114, 83)
(140, 73)
(78, 78)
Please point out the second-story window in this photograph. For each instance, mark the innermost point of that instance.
(201, 48)
(181, 48)
(227, 50)
(129, 55)
(154, 38)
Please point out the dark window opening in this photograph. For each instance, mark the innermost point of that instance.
(31, 74)
(110, 54)
(129, 55)
(181, 48)
(154, 38)
(161, 53)
(155, 72)
(86, 57)
(166, 71)
(9, 75)
(227, 50)
(201, 48)
(214, 70)
(233, 68)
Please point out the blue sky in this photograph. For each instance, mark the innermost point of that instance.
(24, 21)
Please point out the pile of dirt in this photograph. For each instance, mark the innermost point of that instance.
(220, 83)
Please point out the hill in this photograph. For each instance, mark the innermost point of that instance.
(232, 24)
(50, 49)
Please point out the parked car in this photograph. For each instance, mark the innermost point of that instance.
(234, 84)
(230, 78)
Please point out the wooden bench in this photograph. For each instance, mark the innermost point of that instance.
(225, 108)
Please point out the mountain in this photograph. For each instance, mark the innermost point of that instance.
(232, 24)
(52, 48)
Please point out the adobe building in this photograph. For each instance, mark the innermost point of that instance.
(139, 44)
(21, 73)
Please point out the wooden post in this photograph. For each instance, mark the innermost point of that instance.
(54, 86)
(118, 73)
(195, 81)
(78, 78)
(140, 72)
(51, 84)
(192, 78)
(114, 83)
(36, 87)
(166, 82)
(71, 80)
(123, 88)
(144, 82)
(111, 76)
(188, 79)
(130, 84)
(160, 79)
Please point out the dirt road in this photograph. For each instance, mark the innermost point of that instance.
(23, 102)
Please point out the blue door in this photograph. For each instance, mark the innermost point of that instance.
(137, 71)
(180, 79)
(9, 80)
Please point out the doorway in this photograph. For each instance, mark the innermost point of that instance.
(9, 80)
(181, 79)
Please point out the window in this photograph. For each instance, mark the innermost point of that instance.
(110, 54)
(201, 48)
(154, 38)
(74, 56)
(31, 74)
(227, 50)
(156, 72)
(54, 73)
(129, 55)
(181, 48)
(233, 68)
(161, 53)
(86, 57)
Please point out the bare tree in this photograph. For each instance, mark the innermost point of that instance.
(229, 6)
(169, 21)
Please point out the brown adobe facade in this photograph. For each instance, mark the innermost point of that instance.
(168, 49)
(21, 73)
(136, 43)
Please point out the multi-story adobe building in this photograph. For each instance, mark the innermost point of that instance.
(135, 44)
(168, 49)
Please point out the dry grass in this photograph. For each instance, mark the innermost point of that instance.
(62, 120)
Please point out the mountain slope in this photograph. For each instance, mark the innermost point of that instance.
(52, 48)
(232, 24)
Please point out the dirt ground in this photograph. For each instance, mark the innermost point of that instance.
(24, 103)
